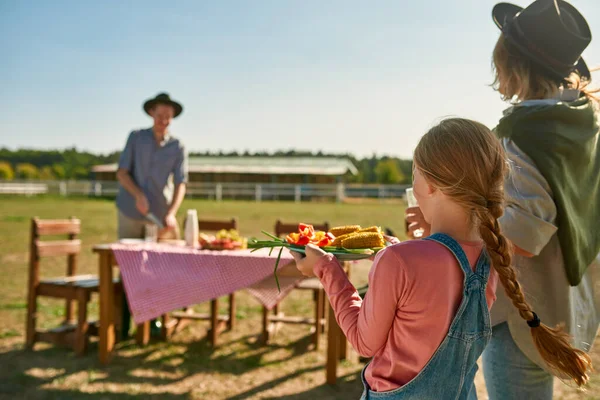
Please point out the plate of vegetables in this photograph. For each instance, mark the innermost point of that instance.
(223, 240)
(346, 243)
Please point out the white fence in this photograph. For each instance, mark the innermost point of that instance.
(218, 191)
(26, 188)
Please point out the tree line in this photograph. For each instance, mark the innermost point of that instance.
(28, 164)
(71, 164)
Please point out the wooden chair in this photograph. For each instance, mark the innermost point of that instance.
(72, 287)
(312, 284)
(177, 320)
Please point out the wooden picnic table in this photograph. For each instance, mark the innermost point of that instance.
(336, 344)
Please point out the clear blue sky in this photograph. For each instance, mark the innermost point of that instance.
(337, 76)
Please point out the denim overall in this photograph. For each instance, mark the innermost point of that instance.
(450, 372)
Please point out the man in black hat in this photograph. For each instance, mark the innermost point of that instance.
(152, 175)
(152, 172)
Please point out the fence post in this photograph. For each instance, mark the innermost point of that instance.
(381, 192)
(97, 189)
(258, 193)
(340, 193)
(219, 192)
(297, 193)
(62, 187)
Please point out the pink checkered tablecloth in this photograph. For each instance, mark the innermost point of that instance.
(160, 278)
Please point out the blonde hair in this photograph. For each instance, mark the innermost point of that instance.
(464, 160)
(517, 77)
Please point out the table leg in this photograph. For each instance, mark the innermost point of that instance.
(265, 325)
(231, 322)
(142, 333)
(166, 327)
(106, 328)
(333, 342)
(319, 311)
(214, 321)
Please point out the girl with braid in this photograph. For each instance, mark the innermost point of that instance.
(425, 319)
(552, 213)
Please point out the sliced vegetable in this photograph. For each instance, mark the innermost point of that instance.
(298, 240)
(306, 234)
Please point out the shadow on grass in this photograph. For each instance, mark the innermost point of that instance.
(344, 389)
(43, 373)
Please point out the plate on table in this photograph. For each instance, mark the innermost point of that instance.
(131, 241)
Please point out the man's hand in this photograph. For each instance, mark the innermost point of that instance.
(141, 203)
(306, 262)
(170, 221)
(416, 220)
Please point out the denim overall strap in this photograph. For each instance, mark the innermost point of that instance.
(456, 249)
(482, 268)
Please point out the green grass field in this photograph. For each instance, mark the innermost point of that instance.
(187, 367)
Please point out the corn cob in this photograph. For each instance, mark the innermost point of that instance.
(375, 229)
(363, 240)
(342, 230)
(338, 239)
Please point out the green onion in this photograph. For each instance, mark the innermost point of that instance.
(275, 242)
(275, 272)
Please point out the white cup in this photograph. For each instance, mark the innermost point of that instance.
(410, 198)
(151, 233)
(412, 202)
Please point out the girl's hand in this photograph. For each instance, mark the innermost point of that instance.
(306, 262)
(415, 220)
(391, 239)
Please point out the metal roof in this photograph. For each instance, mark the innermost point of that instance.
(262, 165)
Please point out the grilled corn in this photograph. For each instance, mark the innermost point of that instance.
(338, 239)
(375, 229)
(342, 230)
(363, 240)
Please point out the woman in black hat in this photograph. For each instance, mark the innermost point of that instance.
(552, 139)
(552, 215)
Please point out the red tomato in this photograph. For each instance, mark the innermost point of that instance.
(303, 240)
(306, 229)
(324, 242)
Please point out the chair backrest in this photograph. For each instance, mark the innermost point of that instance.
(282, 229)
(70, 247)
(216, 225)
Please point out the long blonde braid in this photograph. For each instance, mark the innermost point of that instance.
(553, 344)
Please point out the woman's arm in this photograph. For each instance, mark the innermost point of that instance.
(529, 219)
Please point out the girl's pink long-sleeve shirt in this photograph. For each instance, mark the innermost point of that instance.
(415, 289)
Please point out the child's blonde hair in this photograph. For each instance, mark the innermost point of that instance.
(517, 77)
(464, 160)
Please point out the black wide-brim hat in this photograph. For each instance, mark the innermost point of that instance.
(551, 33)
(163, 98)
